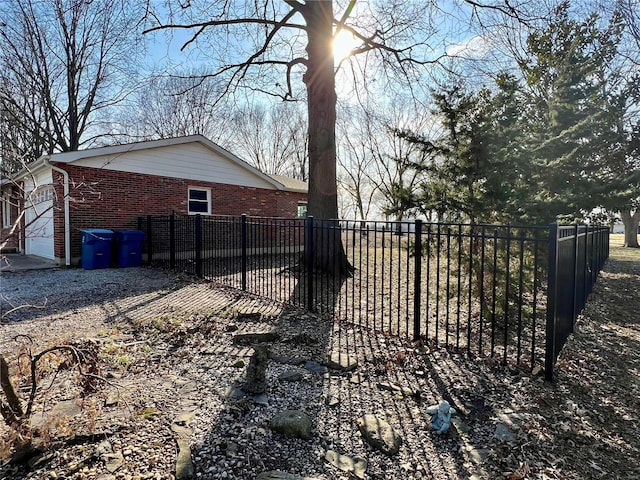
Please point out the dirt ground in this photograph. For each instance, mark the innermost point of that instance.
(584, 425)
(587, 423)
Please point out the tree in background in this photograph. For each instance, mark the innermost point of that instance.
(474, 169)
(355, 164)
(565, 74)
(455, 161)
(587, 117)
(397, 171)
(631, 220)
(510, 171)
(378, 164)
(620, 186)
(553, 145)
(62, 63)
(17, 145)
(617, 184)
(270, 137)
(282, 150)
(175, 106)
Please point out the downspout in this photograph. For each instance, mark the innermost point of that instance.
(67, 228)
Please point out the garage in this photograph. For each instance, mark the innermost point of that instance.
(39, 233)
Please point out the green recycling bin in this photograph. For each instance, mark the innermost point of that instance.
(129, 247)
(96, 248)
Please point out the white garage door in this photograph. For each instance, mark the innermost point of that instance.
(39, 222)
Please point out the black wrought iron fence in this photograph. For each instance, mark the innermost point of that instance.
(489, 290)
(475, 289)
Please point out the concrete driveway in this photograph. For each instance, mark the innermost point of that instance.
(15, 262)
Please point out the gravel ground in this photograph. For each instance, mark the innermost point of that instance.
(169, 360)
(60, 290)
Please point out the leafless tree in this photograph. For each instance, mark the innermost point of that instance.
(177, 105)
(265, 46)
(16, 143)
(377, 166)
(396, 175)
(62, 63)
(632, 14)
(355, 164)
(185, 104)
(629, 10)
(279, 151)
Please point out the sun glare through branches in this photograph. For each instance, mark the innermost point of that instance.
(343, 44)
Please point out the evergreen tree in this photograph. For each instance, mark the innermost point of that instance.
(452, 164)
(570, 121)
(552, 146)
(508, 188)
(477, 170)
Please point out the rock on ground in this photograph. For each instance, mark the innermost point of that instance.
(379, 434)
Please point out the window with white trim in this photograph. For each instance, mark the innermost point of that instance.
(199, 201)
(40, 195)
(6, 211)
(302, 209)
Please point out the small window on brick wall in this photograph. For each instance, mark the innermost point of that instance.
(302, 209)
(199, 201)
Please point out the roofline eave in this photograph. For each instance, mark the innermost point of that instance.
(30, 168)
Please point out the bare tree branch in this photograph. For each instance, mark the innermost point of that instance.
(201, 26)
(57, 75)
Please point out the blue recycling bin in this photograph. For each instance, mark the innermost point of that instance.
(129, 247)
(96, 248)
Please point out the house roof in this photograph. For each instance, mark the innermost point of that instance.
(291, 183)
(278, 181)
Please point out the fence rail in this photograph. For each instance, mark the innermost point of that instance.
(507, 292)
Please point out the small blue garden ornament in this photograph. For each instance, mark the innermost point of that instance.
(441, 420)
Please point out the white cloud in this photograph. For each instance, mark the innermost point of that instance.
(475, 47)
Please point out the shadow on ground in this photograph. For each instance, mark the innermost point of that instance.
(185, 361)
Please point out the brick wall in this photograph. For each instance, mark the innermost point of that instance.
(102, 198)
(58, 215)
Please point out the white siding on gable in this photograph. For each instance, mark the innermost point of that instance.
(191, 161)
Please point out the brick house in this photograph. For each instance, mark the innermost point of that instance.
(61, 194)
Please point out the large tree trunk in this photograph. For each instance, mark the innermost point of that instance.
(631, 223)
(319, 79)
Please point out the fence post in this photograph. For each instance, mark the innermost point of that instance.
(243, 242)
(588, 253)
(172, 240)
(198, 239)
(576, 253)
(417, 281)
(308, 236)
(149, 240)
(552, 278)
